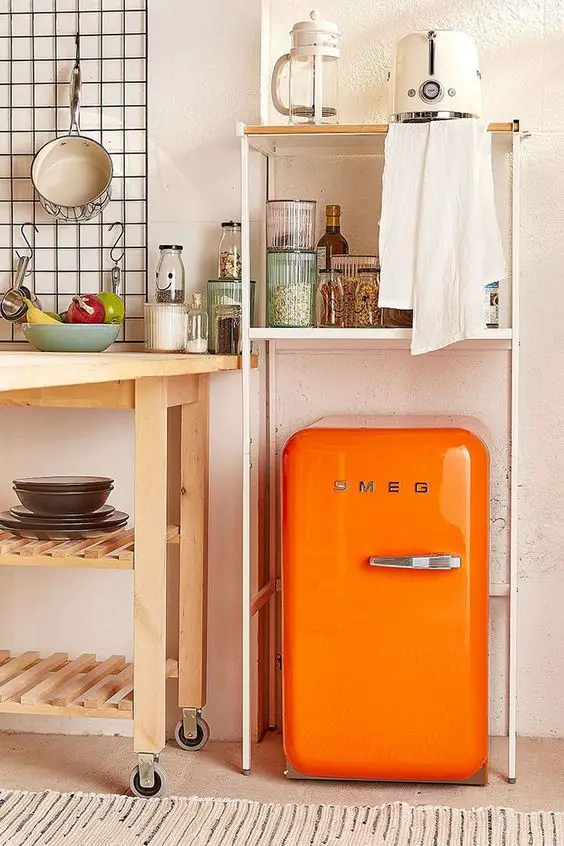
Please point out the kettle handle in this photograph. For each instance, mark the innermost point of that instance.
(275, 85)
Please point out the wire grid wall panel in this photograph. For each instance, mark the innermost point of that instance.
(37, 54)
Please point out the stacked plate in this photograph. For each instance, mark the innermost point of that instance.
(63, 508)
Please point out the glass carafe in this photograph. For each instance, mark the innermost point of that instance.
(312, 78)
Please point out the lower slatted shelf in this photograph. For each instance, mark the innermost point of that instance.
(82, 686)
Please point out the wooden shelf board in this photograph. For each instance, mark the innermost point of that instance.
(58, 686)
(114, 551)
(328, 139)
(341, 129)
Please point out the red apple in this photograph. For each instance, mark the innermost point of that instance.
(86, 309)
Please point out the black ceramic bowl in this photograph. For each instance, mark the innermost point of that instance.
(64, 483)
(62, 503)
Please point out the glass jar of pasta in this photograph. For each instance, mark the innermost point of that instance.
(330, 301)
(366, 309)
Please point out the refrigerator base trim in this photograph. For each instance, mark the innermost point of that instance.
(478, 779)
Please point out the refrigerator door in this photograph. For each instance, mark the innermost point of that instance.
(385, 603)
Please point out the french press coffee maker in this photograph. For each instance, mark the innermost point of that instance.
(312, 79)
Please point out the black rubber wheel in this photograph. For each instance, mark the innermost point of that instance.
(157, 789)
(202, 736)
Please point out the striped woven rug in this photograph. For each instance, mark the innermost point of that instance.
(79, 819)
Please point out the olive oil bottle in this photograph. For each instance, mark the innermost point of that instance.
(332, 242)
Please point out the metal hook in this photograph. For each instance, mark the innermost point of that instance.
(26, 239)
(116, 242)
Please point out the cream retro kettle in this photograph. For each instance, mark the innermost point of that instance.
(435, 75)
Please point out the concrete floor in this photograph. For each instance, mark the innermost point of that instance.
(102, 765)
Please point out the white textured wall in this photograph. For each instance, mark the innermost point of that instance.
(204, 77)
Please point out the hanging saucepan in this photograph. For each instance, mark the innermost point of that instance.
(73, 174)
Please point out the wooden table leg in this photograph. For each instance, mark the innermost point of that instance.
(150, 565)
(193, 550)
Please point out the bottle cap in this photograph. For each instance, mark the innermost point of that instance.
(197, 299)
(333, 211)
(176, 247)
(230, 224)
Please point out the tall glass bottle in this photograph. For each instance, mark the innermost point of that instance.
(229, 251)
(332, 242)
(197, 341)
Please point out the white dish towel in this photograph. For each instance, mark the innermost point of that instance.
(439, 235)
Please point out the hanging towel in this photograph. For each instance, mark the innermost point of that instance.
(439, 234)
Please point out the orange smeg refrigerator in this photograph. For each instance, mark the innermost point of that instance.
(385, 604)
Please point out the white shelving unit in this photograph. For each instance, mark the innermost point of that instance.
(358, 141)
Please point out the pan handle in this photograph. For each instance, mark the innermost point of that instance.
(74, 96)
(21, 268)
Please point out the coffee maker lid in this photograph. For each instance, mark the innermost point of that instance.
(304, 29)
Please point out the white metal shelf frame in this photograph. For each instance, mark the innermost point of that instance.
(361, 140)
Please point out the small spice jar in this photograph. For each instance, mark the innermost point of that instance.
(330, 301)
(366, 309)
(229, 251)
(170, 284)
(227, 329)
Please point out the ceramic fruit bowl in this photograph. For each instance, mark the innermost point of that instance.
(71, 337)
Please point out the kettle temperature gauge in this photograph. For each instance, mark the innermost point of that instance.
(431, 91)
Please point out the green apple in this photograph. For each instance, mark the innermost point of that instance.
(115, 309)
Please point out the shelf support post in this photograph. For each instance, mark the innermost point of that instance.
(246, 694)
(514, 455)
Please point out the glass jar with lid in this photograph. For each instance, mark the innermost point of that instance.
(229, 251)
(170, 284)
(330, 300)
(366, 309)
(227, 329)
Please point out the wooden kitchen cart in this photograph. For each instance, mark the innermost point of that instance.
(150, 385)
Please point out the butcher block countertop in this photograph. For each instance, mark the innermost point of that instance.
(23, 370)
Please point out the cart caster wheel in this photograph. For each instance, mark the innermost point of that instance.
(202, 737)
(157, 789)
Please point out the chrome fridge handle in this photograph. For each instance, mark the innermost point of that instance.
(418, 562)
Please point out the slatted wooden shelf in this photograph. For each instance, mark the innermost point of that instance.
(57, 685)
(112, 551)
